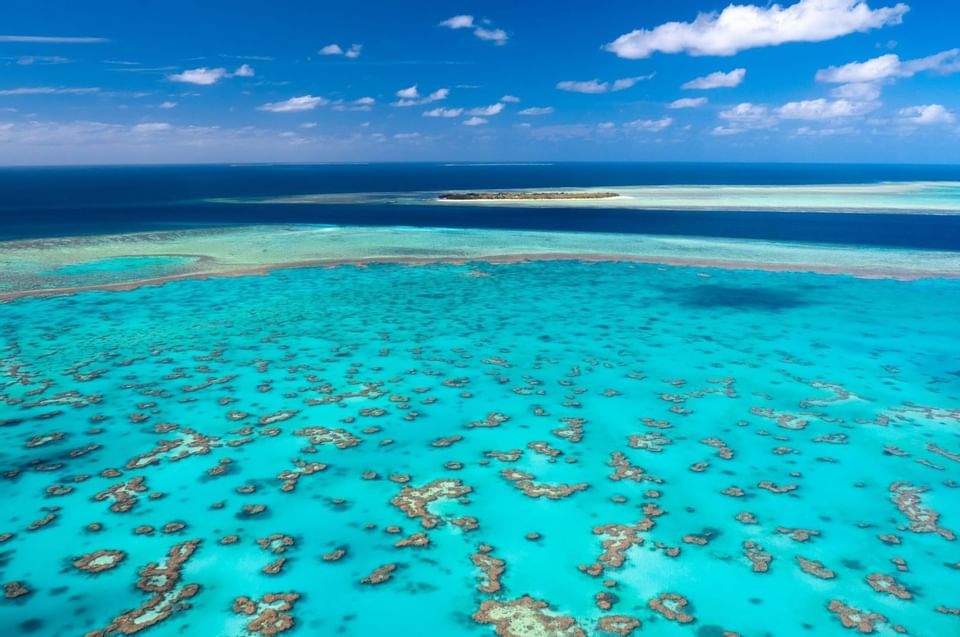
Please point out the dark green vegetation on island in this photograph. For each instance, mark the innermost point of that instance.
(510, 195)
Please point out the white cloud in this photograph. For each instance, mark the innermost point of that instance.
(245, 70)
(808, 131)
(458, 22)
(295, 104)
(167, 105)
(410, 96)
(474, 121)
(747, 115)
(928, 114)
(890, 66)
(857, 92)
(625, 83)
(741, 27)
(649, 125)
(688, 102)
(497, 36)
(595, 86)
(48, 90)
(50, 39)
(537, 110)
(151, 127)
(718, 79)
(336, 49)
(510, 99)
(365, 101)
(487, 111)
(823, 109)
(443, 112)
(202, 76)
(29, 60)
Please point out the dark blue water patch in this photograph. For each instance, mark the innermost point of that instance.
(43, 202)
(86, 187)
(929, 232)
(719, 296)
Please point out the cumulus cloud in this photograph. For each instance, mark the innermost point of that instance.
(336, 49)
(595, 86)
(537, 110)
(688, 102)
(474, 121)
(497, 36)
(649, 125)
(857, 91)
(411, 96)
(458, 22)
(890, 66)
(741, 27)
(202, 76)
(295, 104)
(823, 109)
(509, 99)
(487, 111)
(167, 105)
(748, 115)
(718, 79)
(206, 76)
(443, 112)
(928, 114)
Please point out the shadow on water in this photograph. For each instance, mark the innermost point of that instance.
(718, 296)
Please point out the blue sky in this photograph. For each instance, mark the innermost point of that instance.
(114, 81)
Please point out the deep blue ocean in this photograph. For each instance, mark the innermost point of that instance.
(41, 202)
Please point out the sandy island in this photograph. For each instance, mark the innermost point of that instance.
(511, 195)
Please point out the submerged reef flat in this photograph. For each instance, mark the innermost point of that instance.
(49, 267)
(536, 449)
(520, 195)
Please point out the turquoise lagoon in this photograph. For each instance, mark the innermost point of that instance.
(806, 415)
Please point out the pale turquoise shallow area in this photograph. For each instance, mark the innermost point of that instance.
(606, 342)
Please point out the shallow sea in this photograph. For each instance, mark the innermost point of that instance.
(751, 414)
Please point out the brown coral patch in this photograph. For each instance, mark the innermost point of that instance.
(761, 559)
(526, 483)
(414, 500)
(815, 568)
(851, 617)
(123, 494)
(339, 438)
(270, 616)
(622, 625)
(671, 606)
(99, 561)
(491, 569)
(886, 584)
(379, 575)
(526, 617)
(493, 419)
(922, 519)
